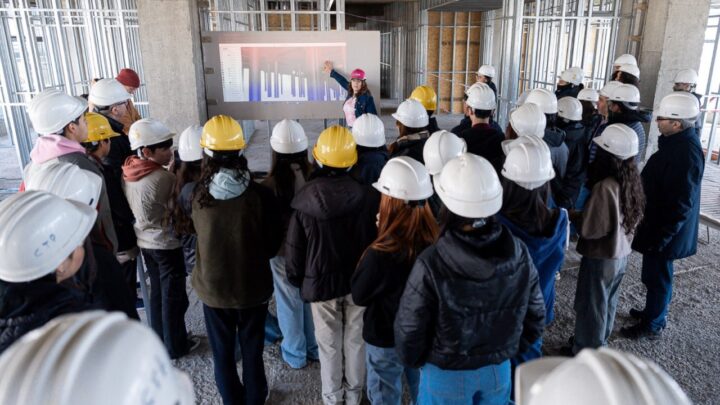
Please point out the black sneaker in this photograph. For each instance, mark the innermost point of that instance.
(637, 313)
(640, 331)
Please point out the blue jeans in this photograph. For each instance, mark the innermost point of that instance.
(488, 385)
(580, 204)
(596, 300)
(168, 298)
(657, 275)
(226, 328)
(272, 329)
(295, 318)
(384, 376)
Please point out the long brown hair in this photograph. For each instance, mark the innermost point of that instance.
(363, 89)
(406, 228)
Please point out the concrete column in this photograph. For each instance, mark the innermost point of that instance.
(672, 40)
(172, 61)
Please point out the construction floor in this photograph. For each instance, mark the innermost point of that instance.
(689, 349)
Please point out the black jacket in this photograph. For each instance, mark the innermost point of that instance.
(188, 241)
(410, 145)
(122, 216)
(466, 123)
(671, 181)
(555, 139)
(370, 163)
(472, 300)
(119, 148)
(105, 281)
(332, 225)
(483, 140)
(30, 305)
(569, 186)
(432, 125)
(569, 90)
(377, 284)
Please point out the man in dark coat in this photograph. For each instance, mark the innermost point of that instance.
(671, 179)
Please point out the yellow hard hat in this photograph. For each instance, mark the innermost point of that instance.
(426, 96)
(335, 148)
(222, 133)
(99, 128)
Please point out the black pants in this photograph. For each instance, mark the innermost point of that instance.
(129, 269)
(225, 327)
(168, 298)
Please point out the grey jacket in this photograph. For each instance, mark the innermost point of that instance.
(148, 198)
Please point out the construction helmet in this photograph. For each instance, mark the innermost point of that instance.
(522, 98)
(426, 96)
(406, 179)
(528, 162)
(573, 75)
(412, 114)
(630, 69)
(590, 95)
(52, 110)
(99, 128)
(609, 87)
(189, 147)
(481, 97)
(620, 140)
(441, 147)
(625, 59)
(222, 133)
(336, 148)
(594, 377)
(688, 76)
(358, 74)
(486, 70)
(288, 137)
(627, 94)
(545, 99)
(92, 357)
(148, 132)
(107, 92)
(528, 119)
(570, 109)
(38, 231)
(679, 105)
(67, 181)
(369, 131)
(469, 187)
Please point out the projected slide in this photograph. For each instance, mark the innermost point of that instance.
(285, 72)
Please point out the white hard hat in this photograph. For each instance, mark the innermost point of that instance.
(441, 147)
(92, 357)
(625, 59)
(406, 179)
(609, 87)
(591, 95)
(625, 93)
(528, 162)
(679, 105)
(288, 137)
(528, 119)
(486, 70)
(38, 231)
(369, 131)
(686, 76)
(630, 69)
(412, 114)
(107, 92)
(148, 132)
(52, 110)
(596, 377)
(545, 99)
(189, 147)
(620, 140)
(573, 75)
(481, 97)
(570, 109)
(469, 186)
(67, 181)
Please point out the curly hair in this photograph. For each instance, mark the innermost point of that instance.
(211, 165)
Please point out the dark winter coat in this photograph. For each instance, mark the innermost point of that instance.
(377, 284)
(122, 216)
(466, 123)
(555, 140)
(105, 286)
(472, 300)
(188, 241)
(575, 171)
(634, 120)
(569, 90)
(410, 145)
(364, 103)
(369, 164)
(432, 125)
(333, 224)
(483, 140)
(671, 180)
(119, 148)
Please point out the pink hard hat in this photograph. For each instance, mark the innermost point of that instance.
(358, 74)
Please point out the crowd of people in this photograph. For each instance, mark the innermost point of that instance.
(431, 260)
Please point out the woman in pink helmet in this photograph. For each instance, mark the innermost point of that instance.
(359, 100)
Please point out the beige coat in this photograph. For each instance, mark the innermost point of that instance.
(148, 198)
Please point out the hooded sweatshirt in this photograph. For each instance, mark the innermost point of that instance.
(50, 148)
(148, 188)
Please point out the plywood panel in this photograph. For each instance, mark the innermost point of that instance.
(433, 18)
(447, 18)
(433, 54)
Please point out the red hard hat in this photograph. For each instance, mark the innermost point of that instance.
(128, 77)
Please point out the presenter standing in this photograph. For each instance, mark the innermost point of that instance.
(359, 100)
